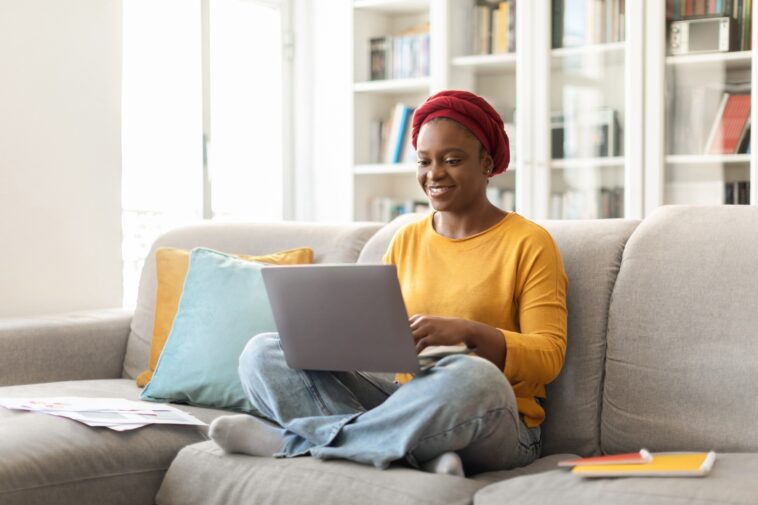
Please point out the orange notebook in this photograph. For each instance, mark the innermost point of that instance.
(689, 464)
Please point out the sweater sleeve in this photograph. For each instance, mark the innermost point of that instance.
(536, 353)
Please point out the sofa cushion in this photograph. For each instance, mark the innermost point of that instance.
(331, 243)
(203, 474)
(224, 304)
(682, 346)
(546, 464)
(377, 245)
(591, 251)
(731, 481)
(46, 459)
(171, 270)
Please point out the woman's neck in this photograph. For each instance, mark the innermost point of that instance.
(473, 221)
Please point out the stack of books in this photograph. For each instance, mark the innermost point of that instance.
(737, 193)
(390, 138)
(644, 464)
(401, 56)
(494, 27)
(586, 22)
(730, 132)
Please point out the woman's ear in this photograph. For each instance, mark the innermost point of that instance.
(487, 164)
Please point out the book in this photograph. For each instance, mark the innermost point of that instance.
(398, 124)
(694, 464)
(616, 459)
(730, 124)
(483, 31)
(589, 134)
(379, 57)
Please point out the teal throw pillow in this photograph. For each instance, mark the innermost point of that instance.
(223, 305)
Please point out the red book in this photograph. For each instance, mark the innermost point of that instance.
(730, 125)
(616, 459)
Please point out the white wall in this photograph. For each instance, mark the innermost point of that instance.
(323, 117)
(60, 155)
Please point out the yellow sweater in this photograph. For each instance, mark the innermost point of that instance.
(510, 277)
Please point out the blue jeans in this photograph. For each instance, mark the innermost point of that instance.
(462, 404)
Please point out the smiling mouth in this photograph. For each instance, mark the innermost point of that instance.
(439, 190)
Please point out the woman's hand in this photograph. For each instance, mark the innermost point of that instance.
(435, 330)
(486, 341)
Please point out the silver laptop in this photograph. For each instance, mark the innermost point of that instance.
(341, 317)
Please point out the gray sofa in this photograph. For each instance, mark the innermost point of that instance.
(662, 354)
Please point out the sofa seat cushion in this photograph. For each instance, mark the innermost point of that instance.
(546, 464)
(203, 474)
(47, 459)
(732, 480)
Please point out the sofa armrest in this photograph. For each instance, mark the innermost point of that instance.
(75, 346)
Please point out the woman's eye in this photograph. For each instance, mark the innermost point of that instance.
(453, 161)
(422, 163)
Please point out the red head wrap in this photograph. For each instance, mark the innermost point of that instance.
(475, 114)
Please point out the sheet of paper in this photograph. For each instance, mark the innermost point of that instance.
(113, 413)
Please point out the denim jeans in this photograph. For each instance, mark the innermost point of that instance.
(462, 404)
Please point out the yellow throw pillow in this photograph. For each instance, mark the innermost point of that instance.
(171, 268)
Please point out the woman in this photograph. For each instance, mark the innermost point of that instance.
(470, 273)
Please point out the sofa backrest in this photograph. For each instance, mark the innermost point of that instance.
(591, 252)
(377, 245)
(682, 360)
(337, 243)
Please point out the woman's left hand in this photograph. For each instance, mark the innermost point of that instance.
(435, 330)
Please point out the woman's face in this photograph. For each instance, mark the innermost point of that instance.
(451, 168)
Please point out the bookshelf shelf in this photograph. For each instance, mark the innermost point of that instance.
(613, 161)
(392, 6)
(394, 86)
(487, 62)
(707, 159)
(385, 169)
(611, 53)
(732, 60)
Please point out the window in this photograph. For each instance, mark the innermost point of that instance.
(203, 118)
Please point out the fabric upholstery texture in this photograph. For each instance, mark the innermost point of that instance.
(301, 481)
(377, 245)
(46, 459)
(171, 269)
(681, 367)
(543, 464)
(331, 243)
(73, 346)
(224, 304)
(731, 481)
(591, 253)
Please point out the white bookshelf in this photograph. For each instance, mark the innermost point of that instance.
(707, 159)
(572, 163)
(385, 169)
(634, 76)
(391, 6)
(393, 86)
(486, 62)
(736, 59)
